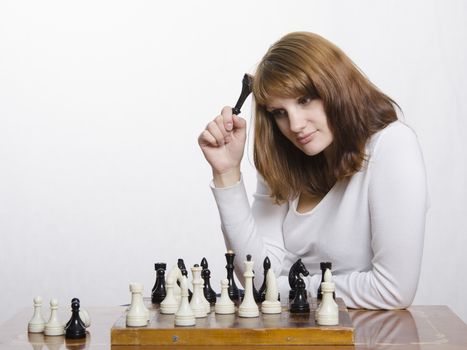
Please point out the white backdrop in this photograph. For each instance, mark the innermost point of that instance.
(101, 103)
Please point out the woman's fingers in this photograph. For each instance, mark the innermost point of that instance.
(206, 139)
(226, 114)
(219, 131)
(216, 132)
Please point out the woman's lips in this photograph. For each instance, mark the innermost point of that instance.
(306, 138)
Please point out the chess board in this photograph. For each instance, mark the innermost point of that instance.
(280, 329)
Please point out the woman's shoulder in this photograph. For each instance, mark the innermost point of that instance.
(261, 185)
(396, 135)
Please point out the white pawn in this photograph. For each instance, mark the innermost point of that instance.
(54, 326)
(248, 307)
(37, 323)
(271, 305)
(169, 305)
(197, 299)
(224, 305)
(37, 340)
(328, 313)
(55, 343)
(184, 316)
(137, 315)
(84, 316)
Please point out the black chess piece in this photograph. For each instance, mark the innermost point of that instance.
(182, 267)
(300, 303)
(262, 289)
(247, 83)
(233, 289)
(158, 292)
(208, 292)
(75, 328)
(72, 301)
(294, 274)
(323, 266)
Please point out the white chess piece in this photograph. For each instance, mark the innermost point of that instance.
(137, 315)
(248, 307)
(37, 322)
(207, 304)
(197, 299)
(184, 315)
(37, 340)
(55, 343)
(176, 274)
(317, 309)
(54, 326)
(328, 313)
(84, 316)
(169, 305)
(224, 305)
(271, 305)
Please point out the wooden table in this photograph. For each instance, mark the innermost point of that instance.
(419, 327)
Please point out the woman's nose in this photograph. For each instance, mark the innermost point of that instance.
(297, 121)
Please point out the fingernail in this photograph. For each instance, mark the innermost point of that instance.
(229, 126)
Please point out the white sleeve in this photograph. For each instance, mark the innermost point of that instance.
(256, 230)
(397, 207)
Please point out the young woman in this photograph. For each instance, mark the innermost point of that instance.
(340, 178)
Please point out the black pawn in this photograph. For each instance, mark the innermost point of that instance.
(262, 289)
(182, 267)
(323, 266)
(233, 289)
(72, 301)
(208, 292)
(158, 291)
(75, 328)
(300, 303)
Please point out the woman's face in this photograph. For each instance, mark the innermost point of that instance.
(303, 121)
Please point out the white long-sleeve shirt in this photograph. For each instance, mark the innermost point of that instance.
(370, 226)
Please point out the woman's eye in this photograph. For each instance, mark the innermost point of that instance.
(277, 113)
(304, 100)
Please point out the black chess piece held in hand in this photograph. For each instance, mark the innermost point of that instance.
(247, 83)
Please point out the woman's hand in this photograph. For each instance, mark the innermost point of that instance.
(223, 144)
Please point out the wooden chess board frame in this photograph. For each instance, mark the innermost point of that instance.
(279, 329)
